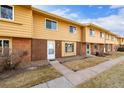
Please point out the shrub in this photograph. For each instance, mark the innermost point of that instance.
(11, 60)
(121, 49)
(99, 53)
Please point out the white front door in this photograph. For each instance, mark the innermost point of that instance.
(50, 49)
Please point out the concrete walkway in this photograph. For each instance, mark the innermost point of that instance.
(72, 79)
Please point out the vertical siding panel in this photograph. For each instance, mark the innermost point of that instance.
(39, 49)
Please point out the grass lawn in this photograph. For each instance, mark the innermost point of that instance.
(30, 78)
(89, 62)
(113, 78)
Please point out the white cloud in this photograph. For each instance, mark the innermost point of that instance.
(66, 13)
(116, 6)
(90, 5)
(115, 23)
(100, 7)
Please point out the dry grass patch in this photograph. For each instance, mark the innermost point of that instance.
(115, 55)
(89, 62)
(30, 78)
(84, 63)
(113, 78)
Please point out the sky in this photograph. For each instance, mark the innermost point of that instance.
(110, 17)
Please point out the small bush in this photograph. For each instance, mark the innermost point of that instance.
(9, 61)
(121, 49)
(99, 53)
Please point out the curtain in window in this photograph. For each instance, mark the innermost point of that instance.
(69, 47)
(72, 29)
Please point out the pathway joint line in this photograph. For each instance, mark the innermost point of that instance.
(74, 78)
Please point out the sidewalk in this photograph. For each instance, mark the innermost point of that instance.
(72, 79)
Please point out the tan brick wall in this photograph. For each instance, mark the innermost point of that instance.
(24, 45)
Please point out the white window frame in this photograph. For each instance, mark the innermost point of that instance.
(2, 43)
(54, 21)
(12, 14)
(72, 48)
(103, 35)
(93, 32)
(74, 31)
(115, 39)
(112, 38)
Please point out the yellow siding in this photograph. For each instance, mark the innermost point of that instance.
(83, 34)
(122, 41)
(30, 24)
(93, 39)
(61, 34)
(110, 41)
(21, 26)
(97, 38)
(64, 54)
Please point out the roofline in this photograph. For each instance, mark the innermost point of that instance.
(56, 16)
(99, 27)
(74, 22)
(121, 37)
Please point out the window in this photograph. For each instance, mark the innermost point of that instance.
(51, 24)
(95, 46)
(88, 46)
(72, 29)
(107, 36)
(92, 32)
(69, 47)
(109, 47)
(6, 12)
(51, 51)
(101, 35)
(112, 38)
(4, 44)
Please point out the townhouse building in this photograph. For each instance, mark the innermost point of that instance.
(97, 38)
(46, 36)
(121, 39)
(54, 36)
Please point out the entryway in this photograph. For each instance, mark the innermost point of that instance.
(88, 50)
(50, 50)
